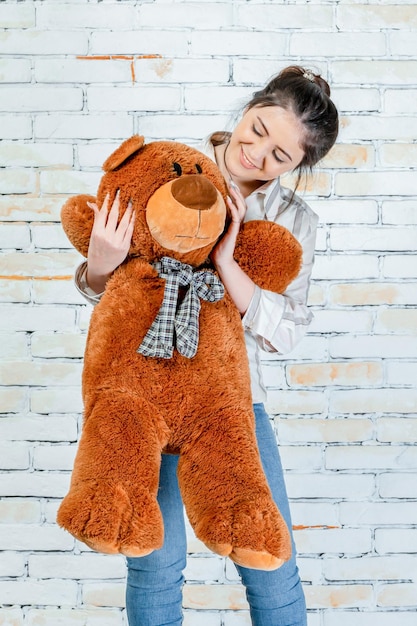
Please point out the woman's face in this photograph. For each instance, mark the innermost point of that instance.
(265, 144)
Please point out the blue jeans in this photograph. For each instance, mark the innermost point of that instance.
(154, 582)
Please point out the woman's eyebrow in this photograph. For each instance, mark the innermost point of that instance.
(266, 131)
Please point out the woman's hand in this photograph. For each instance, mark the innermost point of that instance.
(109, 241)
(222, 254)
(238, 284)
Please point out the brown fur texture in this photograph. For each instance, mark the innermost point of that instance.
(137, 407)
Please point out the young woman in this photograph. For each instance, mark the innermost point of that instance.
(287, 126)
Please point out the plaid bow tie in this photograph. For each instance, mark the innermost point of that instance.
(179, 325)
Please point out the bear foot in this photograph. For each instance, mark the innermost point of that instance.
(250, 534)
(109, 519)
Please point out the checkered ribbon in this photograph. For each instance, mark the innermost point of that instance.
(177, 326)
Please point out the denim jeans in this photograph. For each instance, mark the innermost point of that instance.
(154, 582)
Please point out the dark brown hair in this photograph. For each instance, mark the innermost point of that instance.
(307, 95)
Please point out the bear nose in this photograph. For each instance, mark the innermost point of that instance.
(194, 191)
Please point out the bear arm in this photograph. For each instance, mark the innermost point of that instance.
(77, 221)
(269, 254)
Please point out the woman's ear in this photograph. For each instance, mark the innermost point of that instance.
(123, 152)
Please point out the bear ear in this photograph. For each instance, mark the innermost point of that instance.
(123, 152)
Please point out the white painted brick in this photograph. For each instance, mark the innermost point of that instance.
(212, 99)
(273, 376)
(15, 208)
(374, 401)
(354, 100)
(43, 265)
(53, 345)
(69, 181)
(229, 42)
(259, 71)
(401, 373)
(399, 100)
(301, 458)
(314, 515)
(15, 70)
(133, 98)
(54, 457)
(13, 346)
(52, 17)
(370, 457)
(214, 596)
(206, 569)
(335, 321)
(49, 236)
(375, 183)
(399, 266)
(11, 617)
(94, 154)
(235, 618)
(373, 293)
(398, 486)
(384, 238)
(324, 430)
(207, 618)
(16, 318)
(372, 127)
(342, 596)
(40, 374)
(179, 127)
(330, 485)
(397, 155)
(50, 428)
(312, 348)
(50, 291)
(15, 126)
(22, 99)
(340, 266)
(51, 592)
(14, 457)
(12, 565)
(384, 346)
(401, 43)
(43, 42)
(158, 42)
(18, 181)
(390, 73)
(16, 291)
(399, 321)
(396, 540)
(265, 16)
(195, 15)
(352, 17)
(15, 236)
(346, 211)
(377, 513)
(39, 484)
(75, 126)
(104, 594)
(399, 212)
(11, 401)
(349, 541)
(19, 510)
(397, 429)
(76, 566)
(35, 154)
(22, 537)
(82, 70)
(185, 72)
(17, 15)
(74, 617)
(58, 400)
(337, 44)
(295, 402)
(369, 618)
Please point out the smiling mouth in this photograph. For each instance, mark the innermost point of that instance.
(245, 161)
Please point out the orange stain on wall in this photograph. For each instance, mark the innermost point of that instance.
(121, 57)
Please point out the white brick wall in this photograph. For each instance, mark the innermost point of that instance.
(76, 79)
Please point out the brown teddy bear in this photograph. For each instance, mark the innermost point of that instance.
(166, 368)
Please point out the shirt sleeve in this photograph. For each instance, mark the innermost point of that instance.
(279, 321)
(82, 287)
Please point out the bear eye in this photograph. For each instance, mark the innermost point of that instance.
(178, 169)
(198, 168)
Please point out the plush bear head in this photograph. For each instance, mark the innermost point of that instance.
(177, 194)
